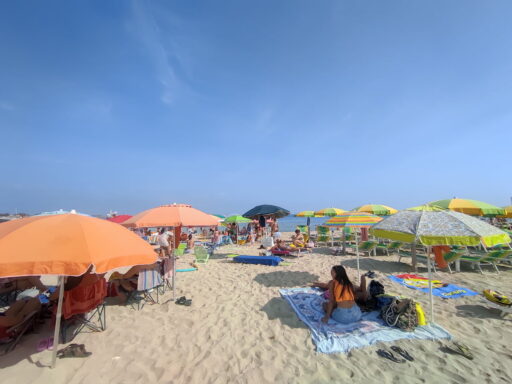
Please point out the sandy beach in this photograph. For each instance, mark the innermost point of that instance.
(239, 330)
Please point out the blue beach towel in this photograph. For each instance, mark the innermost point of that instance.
(450, 291)
(264, 260)
(335, 337)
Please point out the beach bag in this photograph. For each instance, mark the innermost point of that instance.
(401, 313)
(376, 288)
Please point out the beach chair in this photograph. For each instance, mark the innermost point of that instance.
(83, 308)
(15, 333)
(302, 228)
(201, 255)
(494, 257)
(149, 283)
(181, 249)
(451, 257)
(323, 235)
(367, 247)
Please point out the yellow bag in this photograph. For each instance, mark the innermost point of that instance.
(421, 315)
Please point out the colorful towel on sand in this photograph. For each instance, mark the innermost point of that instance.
(446, 291)
(335, 337)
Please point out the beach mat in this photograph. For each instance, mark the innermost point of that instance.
(263, 260)
(335, 337)
(420, 283)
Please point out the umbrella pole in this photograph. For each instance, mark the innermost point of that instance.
(344, 250)
(431, 297)
(332, 238)
(173, 276)
(57, 322)
(357, 255)
(413, 257)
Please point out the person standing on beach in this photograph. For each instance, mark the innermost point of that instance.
(163, 242)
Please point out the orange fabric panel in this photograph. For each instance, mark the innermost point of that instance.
(439, 251)
(173, 215)
(85, 297)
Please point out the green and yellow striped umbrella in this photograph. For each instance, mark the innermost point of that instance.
(376, 209)
(306, 214)
(329, 212)
(508, 211)
(425, 207)
(469, 207)
(353, 219)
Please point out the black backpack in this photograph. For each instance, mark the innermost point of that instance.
(376, 288)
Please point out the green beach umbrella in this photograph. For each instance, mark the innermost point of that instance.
(469, 207)
(237, 219)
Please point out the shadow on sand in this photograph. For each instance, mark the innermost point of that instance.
(285, 279)
(374, 264)
(278, 308)
(479, 312)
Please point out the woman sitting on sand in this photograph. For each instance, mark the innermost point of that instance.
(341, 304)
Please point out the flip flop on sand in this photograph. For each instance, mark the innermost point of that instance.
(402, 353)
(388, 355)
(181, 300)
(370, 274)
(187, 303)
(73, 350)
(45, 344)
(461, 349)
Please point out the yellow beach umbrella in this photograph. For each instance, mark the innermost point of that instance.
(329, 212)
(376, 209)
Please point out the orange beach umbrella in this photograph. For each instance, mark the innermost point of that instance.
(172, 215)
(67, 245)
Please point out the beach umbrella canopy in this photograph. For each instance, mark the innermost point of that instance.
(329, 212)
(236, 219)
(469, 207)
(119, 218)
(220, 216)
(353, 219)
(67, 245)
(173, 215)
(305, 214)
(376, 209)
(439, 228)
(508, 211)
(425, 207)
(263, 210)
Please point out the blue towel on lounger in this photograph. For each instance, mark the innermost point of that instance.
(264, 260)
(335, 337)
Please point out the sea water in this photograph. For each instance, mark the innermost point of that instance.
(289, 223)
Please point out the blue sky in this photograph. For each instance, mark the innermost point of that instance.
(229, 104)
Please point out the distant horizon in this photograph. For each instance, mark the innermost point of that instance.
(227, 105)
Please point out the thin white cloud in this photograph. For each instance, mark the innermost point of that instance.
(148, 32)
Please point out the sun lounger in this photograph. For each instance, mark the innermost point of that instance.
(367, 247)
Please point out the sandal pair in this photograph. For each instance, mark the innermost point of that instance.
(390, 356)
(184, 301)
(73, 350)
(460, 349)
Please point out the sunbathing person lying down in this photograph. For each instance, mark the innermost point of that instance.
(281, 246)
(17, 312)
(341, 303)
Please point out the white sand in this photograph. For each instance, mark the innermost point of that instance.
(239, 330)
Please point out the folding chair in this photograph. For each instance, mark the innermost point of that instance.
(148, 284)
(15, 332)
(83, 307)
(201, 255)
